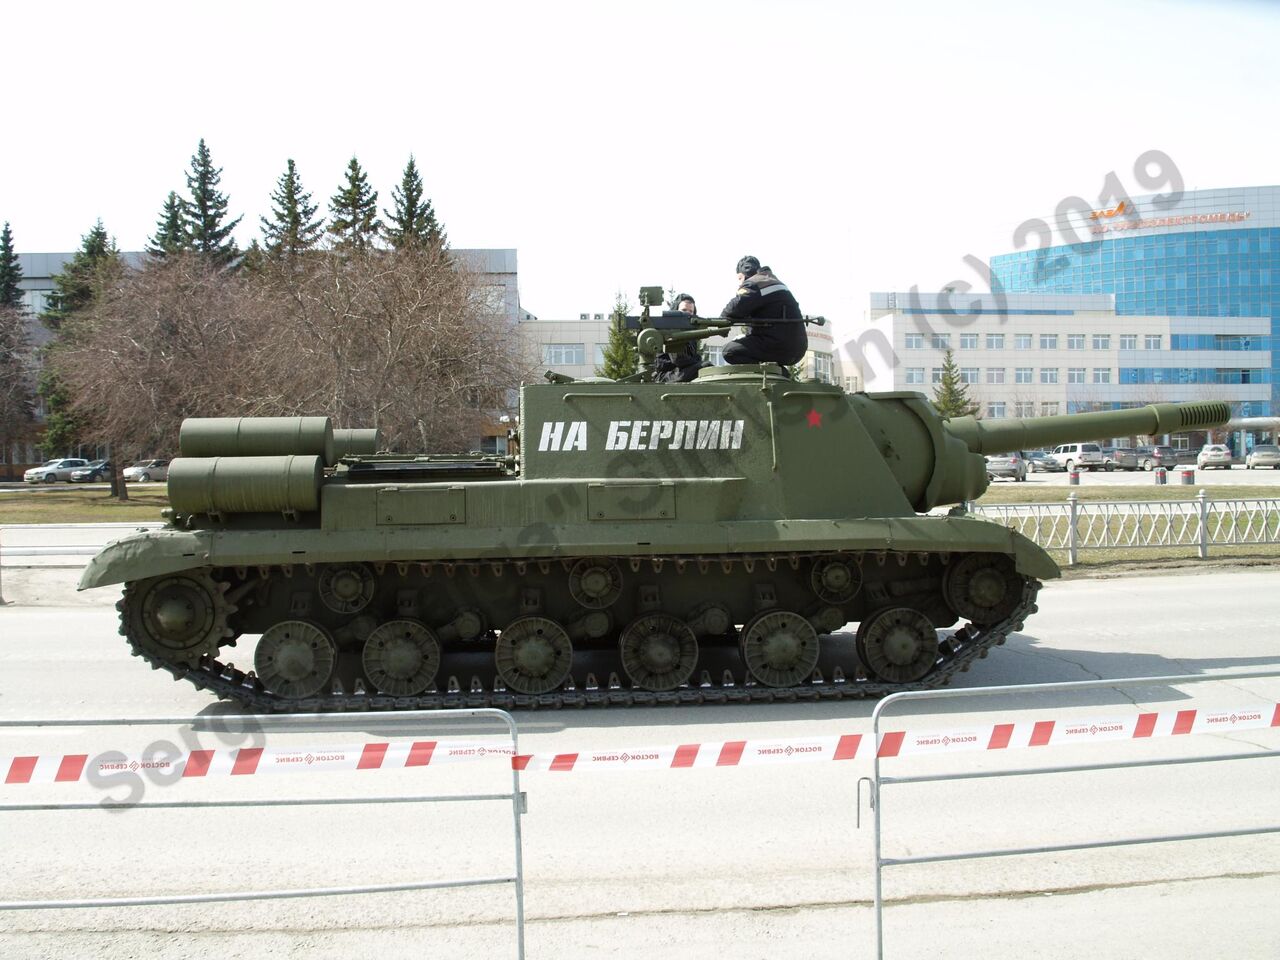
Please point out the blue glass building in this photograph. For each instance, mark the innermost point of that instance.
(1205, 254)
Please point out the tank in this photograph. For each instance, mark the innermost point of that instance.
(744, 537)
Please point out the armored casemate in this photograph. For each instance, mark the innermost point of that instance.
(649, 543)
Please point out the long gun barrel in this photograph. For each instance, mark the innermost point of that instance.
(1001, 436)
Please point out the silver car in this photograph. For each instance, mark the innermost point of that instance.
(54, 470)
(145, 471)
(1263, 455)
(1012, 465)
(1214, 455)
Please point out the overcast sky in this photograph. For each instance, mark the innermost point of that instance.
(855, 147)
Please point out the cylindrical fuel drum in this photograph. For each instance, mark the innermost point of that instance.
(348, 442)
(257, 437)
(245, 484)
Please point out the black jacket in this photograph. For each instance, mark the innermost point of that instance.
(763, 298)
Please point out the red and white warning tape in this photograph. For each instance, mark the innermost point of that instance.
(249, 761)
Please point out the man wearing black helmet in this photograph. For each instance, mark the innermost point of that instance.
(775, 325)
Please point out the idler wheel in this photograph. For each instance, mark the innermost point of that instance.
(595, 583)
(295, 659)
(898, 644)
(346, 588)
(780, 648)
(659, 651)
(982, 587)
(401, 657)
(533, 655)
(179, 618)
(835, 580)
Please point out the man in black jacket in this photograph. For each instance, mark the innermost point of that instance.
(775, 325)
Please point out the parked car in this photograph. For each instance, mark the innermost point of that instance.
(1084, 455)
(145, 471)
(1214, 455)
(93, 472)
(1038, 461)
(1151, 457)
(54, 470)
(1012, 465)
(1120, 458)
(1263, 455)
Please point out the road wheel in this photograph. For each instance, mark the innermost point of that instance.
(1147, 465)
(1110, 468)
(50, 478)
(145, 478)
(1071, 464)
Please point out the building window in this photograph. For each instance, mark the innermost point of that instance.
(1048, 341)
(1128, 341)
(1048, 374)
(1102, 341)
(915, 375)
(968, 374)
(1101, 374)
(995, 374)
(1022, 375)
(968, 341)
(822, 367)
(493, 445)
(941, 341)
(1049, 409)
(936, 375)
(1152, 341)
(995, 410)
(564, 354)
(1075, 374)
(1022, 341)
(715, 355)
(913, 341)
(599, 355)
(1024, 408)
(584, 316)
(1075, 341)
(995, 341)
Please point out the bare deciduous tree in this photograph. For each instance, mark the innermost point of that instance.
(407, 341)
(17, 386)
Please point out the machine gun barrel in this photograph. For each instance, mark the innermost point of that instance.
(1004, 435)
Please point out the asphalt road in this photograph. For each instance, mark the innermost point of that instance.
(749, 861)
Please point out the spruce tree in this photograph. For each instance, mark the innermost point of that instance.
(620, 357)
(75, 287)
(10, 271)
(206, 210)
(171, 233)
(413, 221)
(354, 223)
(951, 396)
(292, 227)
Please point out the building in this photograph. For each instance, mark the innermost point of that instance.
(1191, 254)
(1025, 355)
(576, 347)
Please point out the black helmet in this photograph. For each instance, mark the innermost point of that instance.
(748, 266)
(681, 298)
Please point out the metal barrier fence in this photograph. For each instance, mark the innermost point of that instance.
(60, 550)
(878, 782)
(1200, 523)
(516, 798)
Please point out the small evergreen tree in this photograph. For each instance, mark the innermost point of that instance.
(293, 227)
(10, 271)
(951, 396)
(171, 233)
(620, 357)
(413, 220)
(74, 288)
(206, 211)
(354, 223)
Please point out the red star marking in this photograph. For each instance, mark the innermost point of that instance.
(815, 418)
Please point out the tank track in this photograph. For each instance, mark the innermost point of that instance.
(957, 651)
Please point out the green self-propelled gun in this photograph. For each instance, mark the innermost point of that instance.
(650, 542)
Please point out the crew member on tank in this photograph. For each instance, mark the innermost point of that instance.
(775, 325)
(681, 366)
